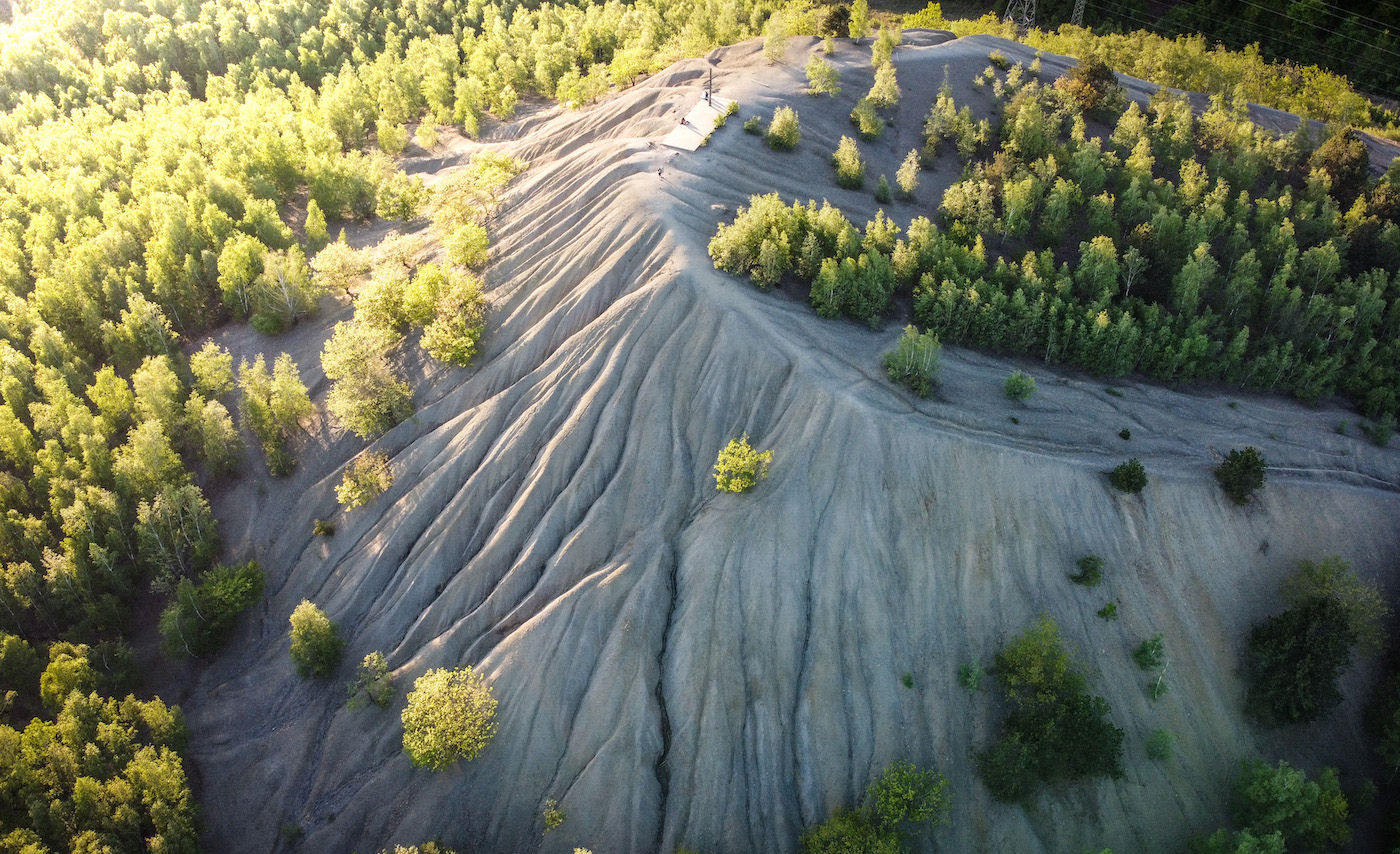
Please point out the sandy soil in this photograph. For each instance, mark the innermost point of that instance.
(680, 667)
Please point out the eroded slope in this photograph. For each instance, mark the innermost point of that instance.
(680, 667)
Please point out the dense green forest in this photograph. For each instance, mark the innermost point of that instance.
(1360, 40)
(1181, 247)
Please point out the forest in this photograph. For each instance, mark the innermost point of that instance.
(167, 168)
(1178, 246)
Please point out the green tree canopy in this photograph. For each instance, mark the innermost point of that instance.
(316, 644)
(450, 716)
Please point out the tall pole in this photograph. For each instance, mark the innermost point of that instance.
(1078, 17)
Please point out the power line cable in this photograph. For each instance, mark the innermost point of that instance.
(1274, 37)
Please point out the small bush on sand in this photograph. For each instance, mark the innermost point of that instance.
(739, 466)
(783, 132)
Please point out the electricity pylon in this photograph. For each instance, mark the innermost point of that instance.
(1021, 13)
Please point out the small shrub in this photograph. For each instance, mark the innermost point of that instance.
(908, 793)
(731, 109)
(1151, 653)
(1159, 687)
(999, 59)
(1109, 612)
(1125, 434)
(913, 363)
(908, 680)
(882, 191)
(365, 478)
(850, 169)
(1241, 474)
(970, 677)
(1113, 392)
(1019, 386)
(1161, 745)
(869, 125)
(753, 125)
(907, 178)
(553, 816)
(1381, 430)
(822, 77)
(783, 132)
(322, 528)
(316, 645)
(885, 93)
(373, 683)
(739, 466)
(1090, 571)
(1129, 476)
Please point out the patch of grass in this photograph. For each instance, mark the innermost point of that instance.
(1151, 654)
(754, 125)
(1342, 429)
(908, 680)
(1110, 390)
(970, 677)
(1161, 745)
(1109, 612)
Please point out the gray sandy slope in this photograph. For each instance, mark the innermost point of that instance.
(680, 667)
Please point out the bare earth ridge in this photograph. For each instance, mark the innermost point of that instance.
(680, 667)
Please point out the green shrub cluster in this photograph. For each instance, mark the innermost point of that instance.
(850, 168)
(1277, 809)
(1055, 731)
(1293, 661)
(1129, 476)
(450, 716)
(740, 467)
(902, 796)
(783, 132)
(1019, 386)
(913, 363)
(373, 682)
(316, 643)
(1090, 571)
(1241, 474)
(201, 615)
(366, 477)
